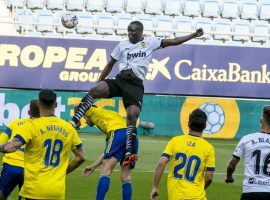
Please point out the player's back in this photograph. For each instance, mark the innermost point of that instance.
(16, 158)
(190, 156)
(255, 148)
(106, 120)
(47, 157)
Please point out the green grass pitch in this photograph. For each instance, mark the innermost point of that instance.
(150, 149)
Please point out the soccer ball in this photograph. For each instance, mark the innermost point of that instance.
(69, 20)
(216, 117)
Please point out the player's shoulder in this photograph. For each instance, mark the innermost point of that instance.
(65, 124)
(124, 43)
(250, 136)
(207, 144)
(152, 39)
(18, 122)
(177, 138)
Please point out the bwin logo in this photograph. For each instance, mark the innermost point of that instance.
(136, 55)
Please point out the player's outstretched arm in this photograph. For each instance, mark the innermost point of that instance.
(11, 146)
(180, 40)
(231, 168)
(158, 174)
(77, 160)
(107, 70)
(91, 168)
(208, 177)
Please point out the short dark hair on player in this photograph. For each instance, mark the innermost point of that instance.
(47, 98)
(266, 114)
(137, 23)
(34, 110)
(197, 120)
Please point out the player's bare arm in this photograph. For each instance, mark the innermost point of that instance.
(231, 168)
(180, 40)
(208, 178)
(77, 160)
(11, 146)
(158, 174)
(91, 168)
(107, 70)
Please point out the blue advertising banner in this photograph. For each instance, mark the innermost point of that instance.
(68, 64)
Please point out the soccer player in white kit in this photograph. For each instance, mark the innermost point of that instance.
(255, 148)
(133, 56)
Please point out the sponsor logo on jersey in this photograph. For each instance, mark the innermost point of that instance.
(139, 54)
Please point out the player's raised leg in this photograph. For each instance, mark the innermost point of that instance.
(133, 113)
(126, 183)
(104, 180)
(101, 90)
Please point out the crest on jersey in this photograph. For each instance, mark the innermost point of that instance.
(143, 45)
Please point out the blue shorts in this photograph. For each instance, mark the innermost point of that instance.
(11, 176)
(116, 146)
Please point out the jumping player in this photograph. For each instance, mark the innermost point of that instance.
(133, 56)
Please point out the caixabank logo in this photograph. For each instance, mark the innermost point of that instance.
(223, 116)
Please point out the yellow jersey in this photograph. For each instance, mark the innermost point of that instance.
(16, 158)
(106, 120)
(49, 141)
(190, 157)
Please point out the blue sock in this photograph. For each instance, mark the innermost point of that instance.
(126, 191)
(103, 187)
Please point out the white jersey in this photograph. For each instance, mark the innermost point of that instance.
(255, 148)
(136, 56)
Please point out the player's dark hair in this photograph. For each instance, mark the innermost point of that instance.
(138, 24)
(34, 110)
(197, 120)
(266, 114)
(47, 98)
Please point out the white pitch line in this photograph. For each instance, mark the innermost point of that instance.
(166, 172)
(154, 141)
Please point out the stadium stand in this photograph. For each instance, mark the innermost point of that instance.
(264, 10)
(249, 9)
(192, 8)
(210, 8)
(55, 4)
(95, 6)
(230, 9)
(115, 6)
(172, 7)
(44, 17)
(235, 22)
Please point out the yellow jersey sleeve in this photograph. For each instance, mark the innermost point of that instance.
(4, 137)
(210, 161)
(76, 143)
(7, 133)
(24, 132)
(168, 152)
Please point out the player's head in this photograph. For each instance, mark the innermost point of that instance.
(135, 31)
(265, 119)
(88, 120)
(47, 99)
(33, 111)
(197, 120)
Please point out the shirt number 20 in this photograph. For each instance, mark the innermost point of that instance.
(191, 165)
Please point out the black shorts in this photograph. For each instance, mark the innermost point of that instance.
(128, 86)
(255, 196)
